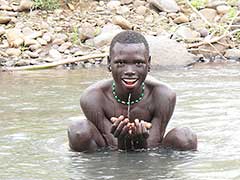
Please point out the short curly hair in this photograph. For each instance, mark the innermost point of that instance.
(129, 37)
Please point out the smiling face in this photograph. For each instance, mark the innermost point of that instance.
(129, 64)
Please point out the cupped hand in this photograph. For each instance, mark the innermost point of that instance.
(120, 127)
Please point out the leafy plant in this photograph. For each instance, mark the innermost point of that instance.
(75, 37)
(232, 12)
(198, 4)
(47, 4)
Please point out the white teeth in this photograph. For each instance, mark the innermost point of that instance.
(130, 80)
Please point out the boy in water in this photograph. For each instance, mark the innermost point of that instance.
(128, 112)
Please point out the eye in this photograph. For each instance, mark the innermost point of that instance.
(120, 63)
(139, 63)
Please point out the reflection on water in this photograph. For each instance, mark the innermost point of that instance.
(35, 108)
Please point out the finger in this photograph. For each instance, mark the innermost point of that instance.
(147, 125)
(121, 117)
(120, 127)
(113, 119)
(115, 125)
(124, 132)
(145, 131)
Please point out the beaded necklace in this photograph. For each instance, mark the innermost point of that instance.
(124, 102)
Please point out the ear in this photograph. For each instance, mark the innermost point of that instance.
(109, 65)
(149, 63)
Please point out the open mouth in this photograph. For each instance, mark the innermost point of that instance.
(130, 83)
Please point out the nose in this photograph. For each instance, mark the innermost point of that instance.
(129, 71)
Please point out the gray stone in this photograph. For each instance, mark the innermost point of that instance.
(105, 38)
(53, 53)
(15, 52)
(14, 37)
(232, 54)
(167, 52)
(42, 41)
(223, 9)
(209, 14)
(215, 3)
(126, 1)
(123, 10)
(141, 10)
(22, 62)
(35, 47)
(165, 5)
(32, 54)
(186, 33)
(86, 31)
(25, 5)
(64, 47)
(47, 37)
(113, 5)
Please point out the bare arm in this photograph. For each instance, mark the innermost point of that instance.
(164, 107)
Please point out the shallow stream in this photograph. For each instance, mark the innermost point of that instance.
(36, 107)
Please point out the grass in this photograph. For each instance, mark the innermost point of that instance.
(46, 4)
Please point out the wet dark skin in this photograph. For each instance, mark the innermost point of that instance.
(107, 123)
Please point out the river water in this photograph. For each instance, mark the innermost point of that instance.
(36, 107)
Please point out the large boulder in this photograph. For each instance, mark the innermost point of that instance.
(167, 52)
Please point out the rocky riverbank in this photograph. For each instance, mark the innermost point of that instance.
(179, 32)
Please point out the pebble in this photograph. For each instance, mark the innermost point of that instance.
(15, 52)
(5, 19)
(122, 22)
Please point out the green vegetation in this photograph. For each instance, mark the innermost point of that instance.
(198, 4)
(47, 4)
(232, 12)
(75, 35)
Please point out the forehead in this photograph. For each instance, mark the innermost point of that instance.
(129, 49)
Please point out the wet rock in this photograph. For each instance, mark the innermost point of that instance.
(4, 19)
(25, 5)
(186, 33)
(108, 32)
(14, 37)
(233, 54)
(209, 14)
(15, 52)
(222, 9)
(64, 47)
(165, 5)
(141, 10)
(113, 5)
(182, 18)
(2, 30)
(53, 53)
(167, 52)
(122, 22)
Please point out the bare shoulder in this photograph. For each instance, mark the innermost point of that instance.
(160, 89)
(95, 93)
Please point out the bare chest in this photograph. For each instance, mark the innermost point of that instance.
(141, 111)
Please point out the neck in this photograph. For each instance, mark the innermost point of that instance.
(123, 97)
